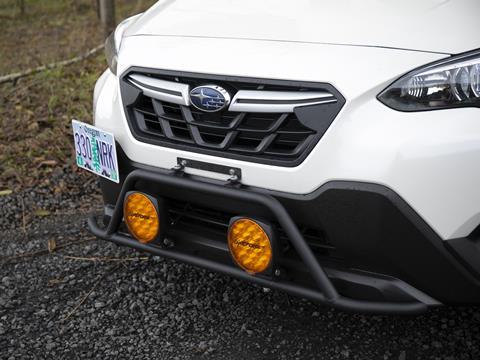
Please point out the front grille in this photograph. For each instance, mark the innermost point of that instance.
(283, 139)
(266, 135)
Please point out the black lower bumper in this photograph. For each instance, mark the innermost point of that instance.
(325, 292)
(374, 253)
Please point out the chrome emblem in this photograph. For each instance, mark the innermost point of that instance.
(210, 98)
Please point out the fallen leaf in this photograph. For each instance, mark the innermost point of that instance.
(33, 126)
(52, 245)
(41, 212)
(5, 192)
(53, 282)
(48, 163)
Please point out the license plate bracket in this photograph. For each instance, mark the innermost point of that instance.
(205, 166)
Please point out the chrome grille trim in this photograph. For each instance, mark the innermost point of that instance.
(162, 90)
(277, 101)
(251, 101)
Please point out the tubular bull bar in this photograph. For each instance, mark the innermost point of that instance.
(325, 293)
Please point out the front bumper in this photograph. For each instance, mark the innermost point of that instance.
(375, 254)
(427, 158)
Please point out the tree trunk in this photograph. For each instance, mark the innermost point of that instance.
(96, 6)
(21, 6)
(107, 16)
(76, 5)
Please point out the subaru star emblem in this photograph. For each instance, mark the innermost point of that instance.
(209, 98)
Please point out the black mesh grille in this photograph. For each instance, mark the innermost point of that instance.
(267, 135)
(275, 138)
(185, 215)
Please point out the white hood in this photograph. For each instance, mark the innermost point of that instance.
(443, 26)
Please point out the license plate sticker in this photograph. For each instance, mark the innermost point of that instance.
(95, 150)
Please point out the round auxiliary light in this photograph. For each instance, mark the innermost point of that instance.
(249, 245)
(141, 217)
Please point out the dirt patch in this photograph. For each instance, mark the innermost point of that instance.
(36, 111)
(51, 30)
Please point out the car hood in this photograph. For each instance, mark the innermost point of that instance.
(443, 26)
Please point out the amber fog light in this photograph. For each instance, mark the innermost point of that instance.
(250, 244)
(141, 215)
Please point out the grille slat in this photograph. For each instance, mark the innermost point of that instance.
(274, 138)
(255, 140)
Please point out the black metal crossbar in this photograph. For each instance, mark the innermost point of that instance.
(326, 293)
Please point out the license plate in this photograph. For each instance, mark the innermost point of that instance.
(95, 150)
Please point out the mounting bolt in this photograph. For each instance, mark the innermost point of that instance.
(181, 165)
(277, 272)
(168, 243)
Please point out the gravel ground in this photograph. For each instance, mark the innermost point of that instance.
(80, 301)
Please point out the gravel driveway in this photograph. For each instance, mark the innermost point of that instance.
(90, 299)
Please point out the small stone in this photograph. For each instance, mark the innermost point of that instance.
(99, 304)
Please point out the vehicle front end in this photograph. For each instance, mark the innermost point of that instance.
(304, 153)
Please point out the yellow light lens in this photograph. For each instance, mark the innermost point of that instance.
(249, 245)
(141, 217)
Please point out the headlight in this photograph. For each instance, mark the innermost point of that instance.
(450, 83)
(114, 41)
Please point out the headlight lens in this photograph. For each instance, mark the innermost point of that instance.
(450, 83)
(114, 41)
(475, 79)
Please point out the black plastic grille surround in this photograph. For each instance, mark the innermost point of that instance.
(283, 139)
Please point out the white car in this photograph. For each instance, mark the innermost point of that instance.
(326, 149)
